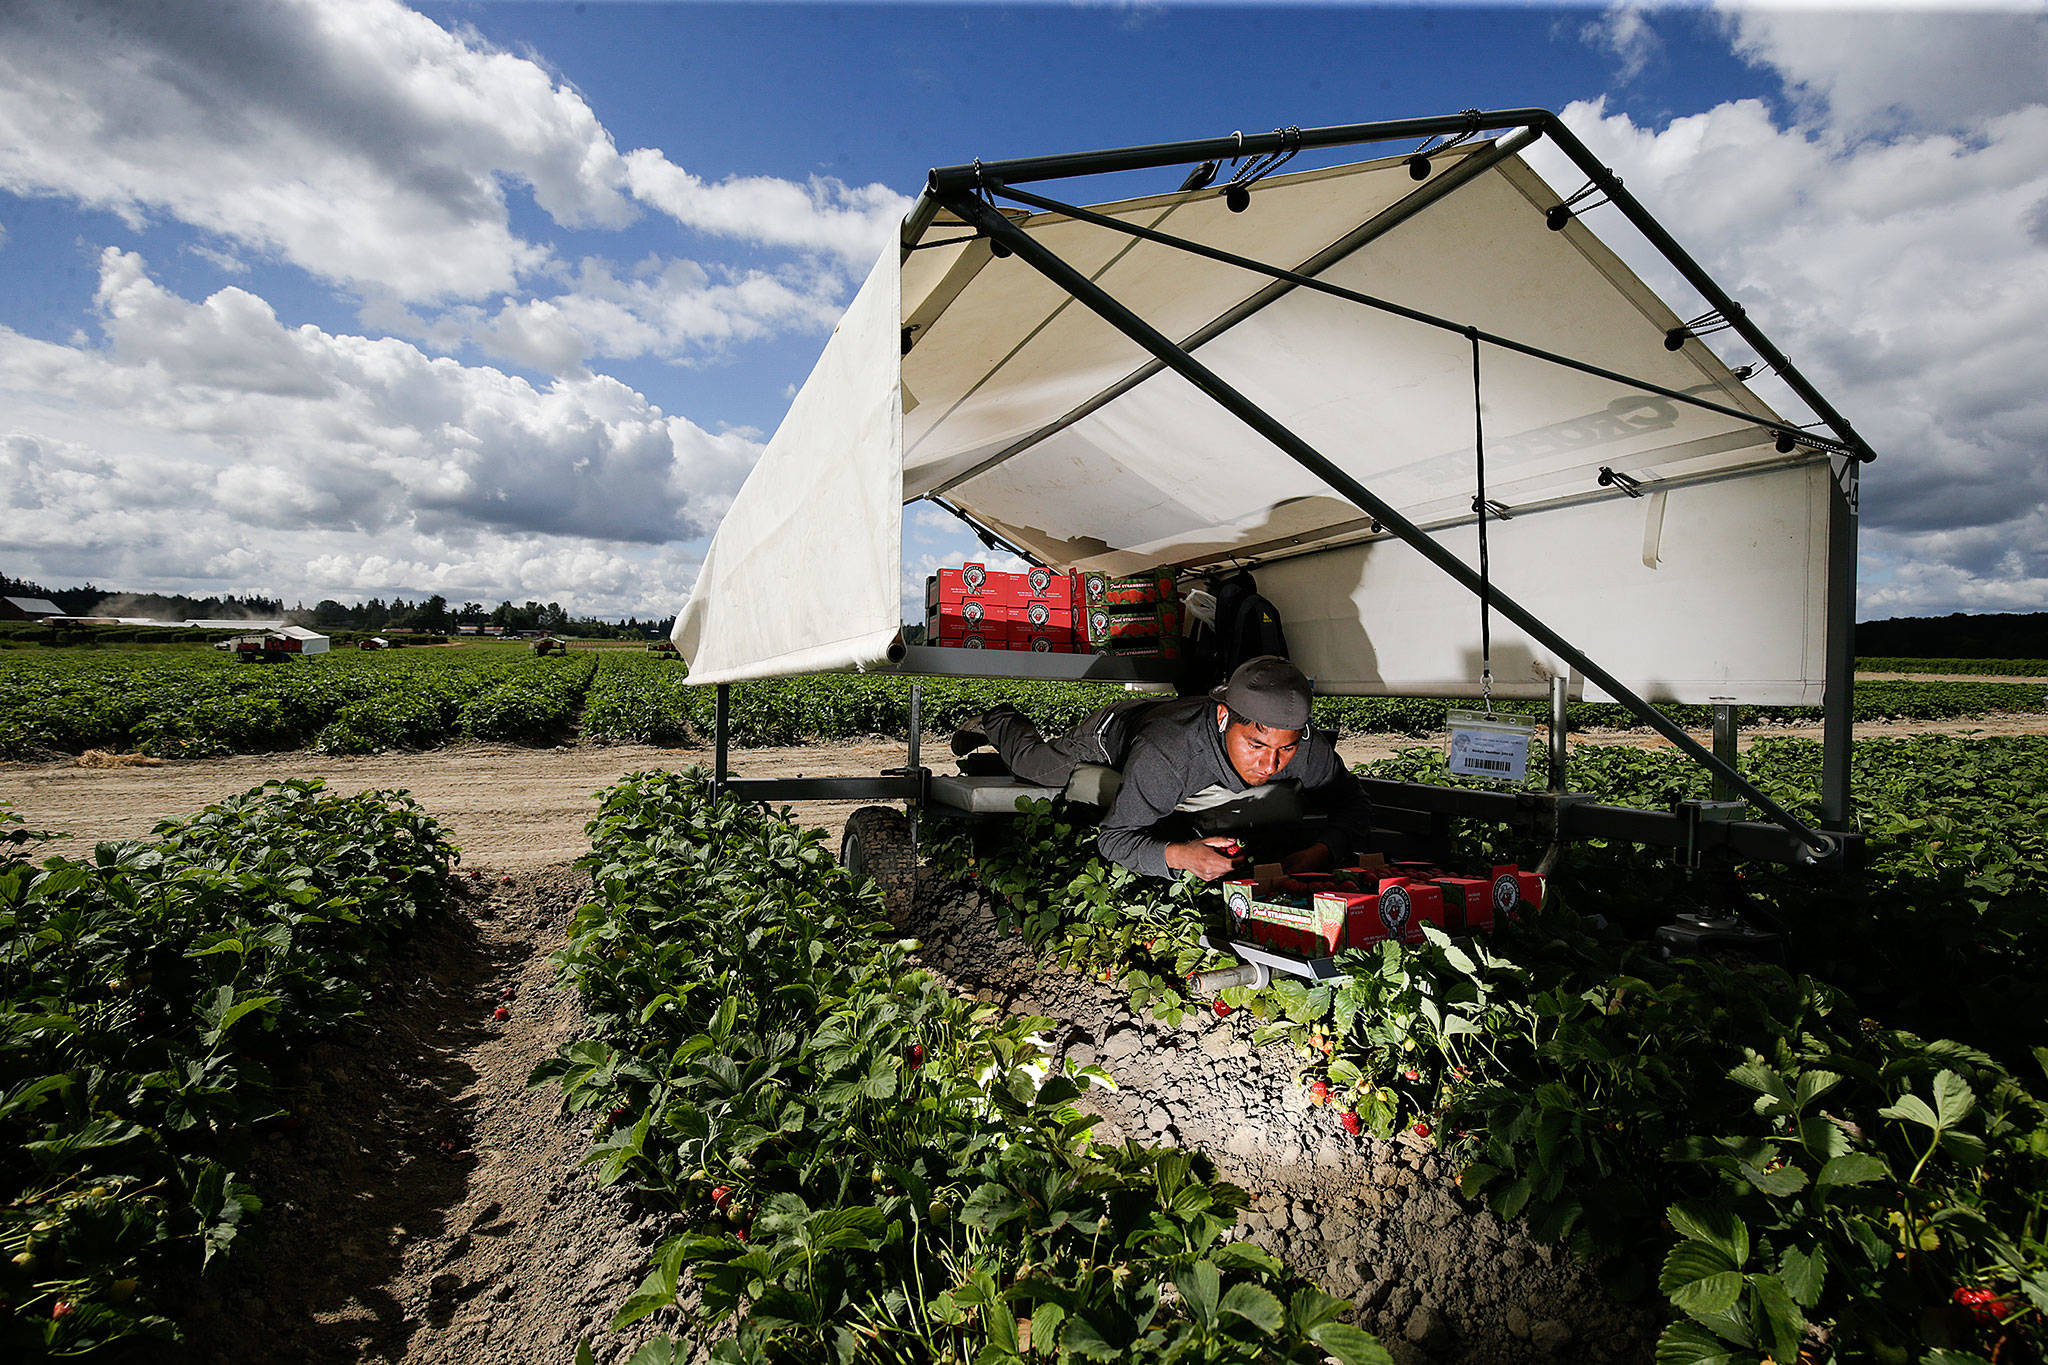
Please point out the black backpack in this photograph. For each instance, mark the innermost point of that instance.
(1247, 626)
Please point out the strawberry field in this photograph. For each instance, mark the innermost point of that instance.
(1847, 1160)
(641, 699)
(156, 1002)
(202, 703)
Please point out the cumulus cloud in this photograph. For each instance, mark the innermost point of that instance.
(1902, 273)
(668, 308)
(356, 139)
(1928, 67)
(1624, 31)
(303, 446)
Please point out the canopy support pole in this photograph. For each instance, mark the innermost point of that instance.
(1837, 728)
(1004, 233)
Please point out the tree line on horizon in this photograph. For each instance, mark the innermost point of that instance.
(432, 615)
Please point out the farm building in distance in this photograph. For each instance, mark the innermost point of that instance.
(276, 644)
(27, 609)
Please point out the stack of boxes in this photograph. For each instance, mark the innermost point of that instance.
(1316, 914)
(1136, 615)
(974, 607)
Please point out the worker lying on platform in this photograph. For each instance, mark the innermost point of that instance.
(1196, 763)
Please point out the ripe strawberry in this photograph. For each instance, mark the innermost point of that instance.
(740, 1233)
(1421, 1130)
(1319, 1091)
(1985, 1307)
(61, 1309)
(501, 1014)
(509, 993)
(619, 1111)
(1222, 1010)
(916, 1055)
(721, 1195)
(476, 874)
(504, 881)
(1411, 1074)
(1350, 1122)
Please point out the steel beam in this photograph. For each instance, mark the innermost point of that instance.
(887, 787)
(974, 211)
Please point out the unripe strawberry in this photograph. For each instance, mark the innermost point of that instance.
(61, 1309)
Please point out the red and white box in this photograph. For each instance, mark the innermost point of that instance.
(1511, 887)
(1468, 904)
(1041, 639)
(1040, 584)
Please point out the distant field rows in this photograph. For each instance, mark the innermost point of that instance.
(199, 704)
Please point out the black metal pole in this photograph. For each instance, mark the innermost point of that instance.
(973, 211)
(947, 181)
(1837, 734)
(719, 703)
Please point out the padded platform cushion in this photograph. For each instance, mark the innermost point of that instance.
(985, 795)
(1094, 785)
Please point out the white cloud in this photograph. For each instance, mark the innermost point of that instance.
(1905, 275)
(272, 449)
(256, 122)
(671, 309)
(1624, 30)
(1925, 67)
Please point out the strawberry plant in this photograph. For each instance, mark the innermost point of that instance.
(872, 1168)
(147, 999)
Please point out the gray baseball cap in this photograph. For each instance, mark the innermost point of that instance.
(1268, 690)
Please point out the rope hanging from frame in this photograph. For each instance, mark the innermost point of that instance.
(1480, 505)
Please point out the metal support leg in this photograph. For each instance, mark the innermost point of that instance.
(1837, 729)
(916, 719)
(719, 703)
(1559, 686)
(1724, 748)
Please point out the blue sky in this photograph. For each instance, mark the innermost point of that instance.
(341, 298)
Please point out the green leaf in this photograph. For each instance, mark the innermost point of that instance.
(1953, 1098)
(1804, 1273)
(1966, 1148)
(1688, 1343)
(1199, 1287)
(1783, 1326)
(1782, 1183)
(1851, 1168)
(1255, 1305)
(1700, 1279)
(1045, 1327)
(1812, 1085)
(1714, 1225)
(1349, 1344)
(1911, 1109)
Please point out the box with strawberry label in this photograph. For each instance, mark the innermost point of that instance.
(1316, 914)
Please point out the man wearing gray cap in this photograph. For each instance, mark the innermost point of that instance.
(1193, 754)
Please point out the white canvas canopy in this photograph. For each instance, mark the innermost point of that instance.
(1700, 573)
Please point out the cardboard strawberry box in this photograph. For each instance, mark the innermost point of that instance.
(956, 632)
(1468, 904)
(969, 580)
(1288, 922)
(1040, 639)
(1043, 613)
(1511, 887)
(1040, 584)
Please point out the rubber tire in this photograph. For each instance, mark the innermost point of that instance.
(877, 844)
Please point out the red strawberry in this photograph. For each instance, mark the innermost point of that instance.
(619, 1111)
(61, 1309)
(740, 1233)
(1985, 1307)
(721, 1195)
(1350, 1122)
(916, 1054)
(504, 881)
(509, 993)
(1411, 1074)
(1421, 1130)
(1319, 1091)
(1222, 1010)
(501, 1014)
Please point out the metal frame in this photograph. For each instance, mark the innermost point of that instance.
(1693, 827)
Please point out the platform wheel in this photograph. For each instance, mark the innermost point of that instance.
(877, 844)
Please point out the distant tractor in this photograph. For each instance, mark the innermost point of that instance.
(548, 644)
(664, 647)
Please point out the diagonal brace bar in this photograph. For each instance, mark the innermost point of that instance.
(1092, 296)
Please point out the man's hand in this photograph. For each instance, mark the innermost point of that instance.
(1314, 858)
(1208, 858)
